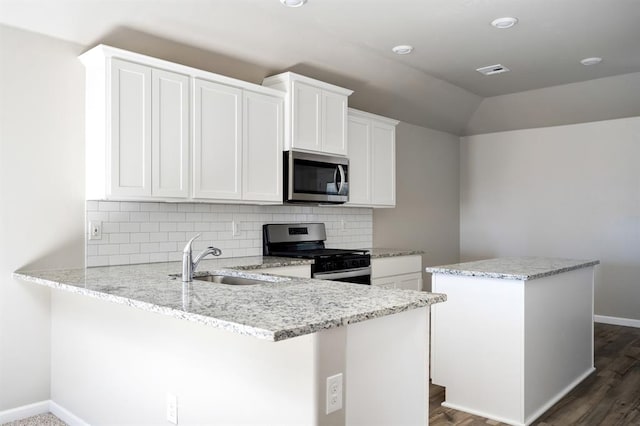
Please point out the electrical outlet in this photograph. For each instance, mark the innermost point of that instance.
(334, 393)
(95, 230)
(235, 228)
(342, 225)
(172, 408)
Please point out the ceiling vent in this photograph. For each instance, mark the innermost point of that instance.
(493, 69)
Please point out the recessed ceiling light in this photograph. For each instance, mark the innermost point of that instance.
(504, 23)
(293, 3)
(402, 49)
(493, 69)
(591, 61)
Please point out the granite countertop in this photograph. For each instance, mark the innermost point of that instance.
(378, 253)
(281, 308)
(513, 268)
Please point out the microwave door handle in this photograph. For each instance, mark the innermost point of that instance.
(342, 178)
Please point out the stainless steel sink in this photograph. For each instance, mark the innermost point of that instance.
(230, 280)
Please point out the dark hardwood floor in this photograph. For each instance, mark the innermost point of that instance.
(609, 397)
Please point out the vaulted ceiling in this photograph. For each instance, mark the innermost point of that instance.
(349, 43)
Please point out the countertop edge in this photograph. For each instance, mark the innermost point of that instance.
(519, 277)
(153, 308)
(382, 253)
(427, 299)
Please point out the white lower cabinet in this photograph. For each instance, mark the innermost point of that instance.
(372, 160)
(161, 131)
(403, 272)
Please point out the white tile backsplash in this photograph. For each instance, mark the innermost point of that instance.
(142, 232)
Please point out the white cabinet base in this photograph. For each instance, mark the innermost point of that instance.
(402, 272)
(509, 349)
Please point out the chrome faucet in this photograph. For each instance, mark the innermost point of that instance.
(189, 264)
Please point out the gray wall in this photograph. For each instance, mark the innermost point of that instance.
(427, 203)
(41, 198)
(568, 191)
(587, 101)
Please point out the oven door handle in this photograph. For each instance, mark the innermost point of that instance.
(343, 274)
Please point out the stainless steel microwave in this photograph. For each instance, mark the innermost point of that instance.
(315, 178)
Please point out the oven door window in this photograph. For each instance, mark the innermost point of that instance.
(313, 177)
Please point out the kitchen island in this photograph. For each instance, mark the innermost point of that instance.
(515, 335)
(126, 337)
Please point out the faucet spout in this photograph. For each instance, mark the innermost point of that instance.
(189, 264)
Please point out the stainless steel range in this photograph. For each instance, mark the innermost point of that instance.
(306, 241)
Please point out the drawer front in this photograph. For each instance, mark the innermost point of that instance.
(398, 265)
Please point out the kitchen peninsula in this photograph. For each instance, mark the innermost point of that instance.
(250, 354)
(515, 335)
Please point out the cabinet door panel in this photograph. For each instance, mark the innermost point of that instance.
(359, 161)
(170, 139)
(383, 154)
(262, 147)
(217, 141)
(130, 129)
(306, 117)
(410, 282)
(334, 120)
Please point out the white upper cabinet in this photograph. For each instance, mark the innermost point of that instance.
(217, 141)
(262, 147)
(162, 131)
(383, 164)
(359, 161)
(306, 120)
(170, 134)
(315, 113)
(130, 130)
(372, 160)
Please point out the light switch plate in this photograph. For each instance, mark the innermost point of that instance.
(95, 230)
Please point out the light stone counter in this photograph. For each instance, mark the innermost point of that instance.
(513, 268)
(279, 309)
(380, 253)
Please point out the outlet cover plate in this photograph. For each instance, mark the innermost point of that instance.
(334, 393)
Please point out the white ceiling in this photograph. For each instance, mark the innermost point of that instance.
(349, 43)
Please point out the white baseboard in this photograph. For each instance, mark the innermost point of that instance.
(559, 396)
(41, 407)
(482, 414)
(627, 322)
(65, 415)
(24, 411)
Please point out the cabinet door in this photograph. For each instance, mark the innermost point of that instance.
(262, 147)
(334, 123)
(306, 119)
(359, 161)
(130, 171)
(383, 161)
(409, 281)
(217, 141)
(170, 136)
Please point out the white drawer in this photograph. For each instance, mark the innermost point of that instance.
(398, 265)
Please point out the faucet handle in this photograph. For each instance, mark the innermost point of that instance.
(187, 248)
(214, 251)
